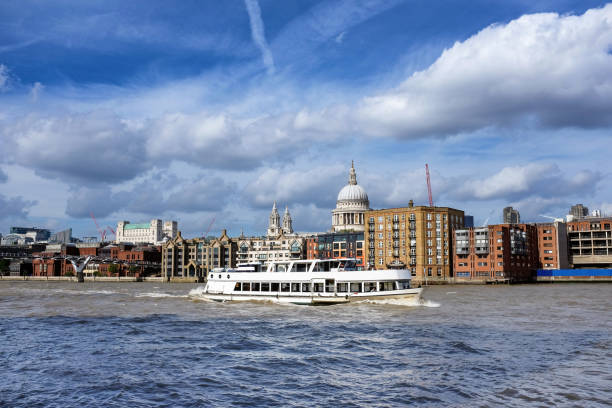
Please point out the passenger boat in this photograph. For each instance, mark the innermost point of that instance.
(308, 282)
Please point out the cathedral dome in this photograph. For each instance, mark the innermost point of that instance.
(354, 193)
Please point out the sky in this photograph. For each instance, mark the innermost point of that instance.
(207, 112)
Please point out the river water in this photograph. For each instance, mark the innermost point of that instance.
(159, 345)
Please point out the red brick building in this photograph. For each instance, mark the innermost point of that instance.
(504, 252)
(128, 260)
(552, 246)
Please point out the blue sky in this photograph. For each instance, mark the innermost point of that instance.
(196, 110)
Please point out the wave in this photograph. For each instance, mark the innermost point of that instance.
(196, 292)
(159, 295)
(402, 302)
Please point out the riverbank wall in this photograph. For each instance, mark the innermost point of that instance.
(574, 275)
(87, 278)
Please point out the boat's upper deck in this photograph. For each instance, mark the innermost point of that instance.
(306, 265)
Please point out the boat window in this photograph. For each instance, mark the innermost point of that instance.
(356, 287)
(300, 267)
(246, 286)
(342, 287)
(274, 286)
(384, 286)
(295, 287)
(237, 286)
(329, 285)
(305, 287)
(265, 286)
(281, 268)
(369, 286)
(404, 284)
(212, 276)
(255, 286)
(317, 287)
(284, 287)
(349, 266)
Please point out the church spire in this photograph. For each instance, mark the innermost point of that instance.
(352, 174)
(287, 222)
(274, 225)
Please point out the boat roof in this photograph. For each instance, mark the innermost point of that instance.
(310, 261)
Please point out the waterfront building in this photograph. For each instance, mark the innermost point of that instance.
(185, 258)
(335, 245)
(504, 252)
(415, 237)
(62, 237)
(155, 232)
(468, 221)
(511, 216)
(578, 212)
(590, 242)
(130, 260)
(25, 236)
(351, 204)
(553, 245)
(280, 244)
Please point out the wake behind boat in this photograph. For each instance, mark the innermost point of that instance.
(308, 282)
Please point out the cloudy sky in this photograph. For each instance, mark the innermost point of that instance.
(202, 110)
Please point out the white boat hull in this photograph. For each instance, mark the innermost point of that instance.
(317, 298)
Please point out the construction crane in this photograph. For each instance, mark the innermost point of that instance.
(552, 218)
(100, 231)
(428, 185)
(108, 227)
(209, 227)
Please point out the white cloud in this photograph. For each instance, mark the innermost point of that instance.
(552, 70)
(316, 185)
(96, 146)
(516, 182)
(258, 34)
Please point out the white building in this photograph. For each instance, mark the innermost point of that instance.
(280, 244)
(351, 205)
(155, 232)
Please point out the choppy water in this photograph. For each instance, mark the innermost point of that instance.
(155, 345)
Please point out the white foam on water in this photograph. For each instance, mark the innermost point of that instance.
(197, 292)
(402, 302)
(98, 292)
(159, 295)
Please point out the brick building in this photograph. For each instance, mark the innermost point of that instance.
(414, 237)
(552, 246)
(337, 245)
(501, 252)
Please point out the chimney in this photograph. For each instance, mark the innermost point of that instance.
(410, 203)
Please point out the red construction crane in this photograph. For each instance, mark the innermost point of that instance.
(209, 227)
(428, 185)
(100, 231)
(111, 230)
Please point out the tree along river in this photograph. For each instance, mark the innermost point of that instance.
(66, 344)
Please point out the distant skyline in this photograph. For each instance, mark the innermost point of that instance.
(196, 110)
